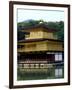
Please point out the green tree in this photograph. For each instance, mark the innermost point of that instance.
(58, 26)
(60, 32)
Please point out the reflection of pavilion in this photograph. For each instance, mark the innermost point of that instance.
(40, 50)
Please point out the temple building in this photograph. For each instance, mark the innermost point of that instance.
(41, 50)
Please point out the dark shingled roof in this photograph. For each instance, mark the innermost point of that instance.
(37, 40)
(39, 26)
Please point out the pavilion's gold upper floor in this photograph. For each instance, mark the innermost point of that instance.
(39, 32)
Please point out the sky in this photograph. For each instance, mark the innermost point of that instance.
(46, 15)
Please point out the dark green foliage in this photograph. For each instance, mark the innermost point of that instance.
(53, 25)
(20, 35)
(27, 23)
(60, 33)
(58, 26)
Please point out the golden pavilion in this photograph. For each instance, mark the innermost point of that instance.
(40, 49)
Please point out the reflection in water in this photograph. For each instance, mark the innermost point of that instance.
(40, 71)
